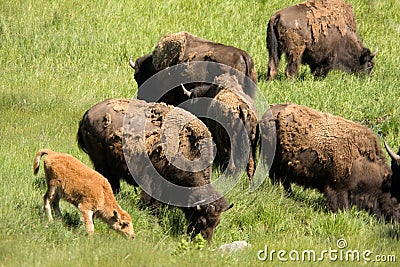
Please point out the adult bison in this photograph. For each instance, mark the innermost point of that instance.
(166, 148)
(336, 156)
(319, 33)
(183, 47)
(232, 119)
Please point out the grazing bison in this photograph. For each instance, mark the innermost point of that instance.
(336, 156)
(319, 33)
(183, 47)
(160, 140)
(88, 190)
(233, 113)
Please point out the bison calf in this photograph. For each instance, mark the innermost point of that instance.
(336, 156)
(88, 190)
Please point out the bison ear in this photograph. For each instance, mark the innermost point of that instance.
(116, 215)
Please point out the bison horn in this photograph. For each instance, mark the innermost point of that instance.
(185, 91)
(212, 208)
(131, 62)
(375, 52)
(393, 155)
(197, 203)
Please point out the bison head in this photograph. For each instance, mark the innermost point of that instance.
(143, 67)
(395, 181)
(203, 219)
(366, 60)
(123, 223)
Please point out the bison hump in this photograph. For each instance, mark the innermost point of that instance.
(323, 14)
(169, 50)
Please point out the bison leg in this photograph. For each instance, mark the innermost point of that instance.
(343, 199)
(56, 205)
(332, 198)
(48, 199)
(321, 72)
(146, 201)
(294, 59)
(87, 216)
(273, 67)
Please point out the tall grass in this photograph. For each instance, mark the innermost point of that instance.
(58, 58)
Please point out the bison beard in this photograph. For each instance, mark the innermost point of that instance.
(319, 33)
(100, 135)
(336, 156)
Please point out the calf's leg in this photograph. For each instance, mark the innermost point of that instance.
(48, 199)
(87, 216)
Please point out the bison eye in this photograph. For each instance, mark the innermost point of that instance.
(124, 224)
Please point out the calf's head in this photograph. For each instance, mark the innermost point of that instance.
(122, 223)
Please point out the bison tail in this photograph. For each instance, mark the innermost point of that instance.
(272, 47)
(38, 156)
(79, 136)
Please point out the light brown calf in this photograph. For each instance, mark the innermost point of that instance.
(88, 190)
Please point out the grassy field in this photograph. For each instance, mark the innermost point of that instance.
(58, 58)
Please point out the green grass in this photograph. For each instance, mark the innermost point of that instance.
(58, 58)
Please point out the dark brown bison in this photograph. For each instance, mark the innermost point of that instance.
(319, 33)
(183, 47)
(336, 156)
(154, 139)
(233, 122)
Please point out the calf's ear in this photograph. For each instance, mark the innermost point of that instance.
(116, 215)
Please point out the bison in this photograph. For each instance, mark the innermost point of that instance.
(336, 156)
(88, 190)
(156, 140)
(319, 33)
(183, 47)
(232, 120)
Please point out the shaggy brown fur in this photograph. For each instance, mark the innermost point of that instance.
(182, 47)
(322, 14)
(170, 134)
(320, 33)
(340, 158)
(68, 178)
(233, 107)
